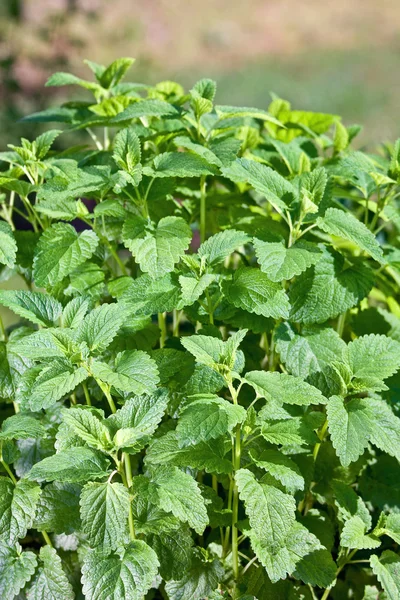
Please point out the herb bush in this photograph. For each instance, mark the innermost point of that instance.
(199, 399)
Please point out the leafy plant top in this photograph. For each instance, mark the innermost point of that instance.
(200, 382)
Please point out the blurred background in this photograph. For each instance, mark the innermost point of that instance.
(341, 57)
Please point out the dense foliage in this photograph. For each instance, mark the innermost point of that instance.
(199, 399)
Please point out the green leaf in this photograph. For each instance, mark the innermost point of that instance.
(21, 426)
(89, 426)
(145, 108)
(227, 112)
(100, 327)
(222, 244)
(134, 372)
(373, 358)
(178, 492)
(206, 418)
(271, 512)
(51, 582)
(348, 427)
(284, 388)
(345, 225)
(354, 535)
(282, 468)
(264, 180)
(328, 289)
(16, 569)
(281, 263)
(174, 551)
(193, 288)
(104, 513)
(198, 149)
(288, 432)
(17, 508)
(207, 350)
(74, 465)
(58, 508)
(8, 245)
(137, 420)
(53, 382)
(253, 291)
(210, 457)
(74, 312)
(39, 308)
(115, 72)
(59, 251)
(180, 164)
(147, 296)
(384, 427)
(300, 554)
(127, 153)
(129, 575)
(157, 248)
(392, 527)
(387, 569)
(198, 582)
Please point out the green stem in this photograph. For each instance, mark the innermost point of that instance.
(129, 481)
(176, 317)
(86, 392)
(341, 323)
(235, 498)
(321, 436)
(46, 538)
(163, 329)
(106, 391)
(3, 330)
(9, 472)
(203, 206)
(339, 569)
(117, 259)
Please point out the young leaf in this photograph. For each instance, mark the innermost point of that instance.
(348, 427)
(283, 468)
(21, 426)
(74, 465)
(180, 164)
(100, 327)
(386, 568)
(270, 511)
(373, 358)
(206, 418)
(127, 153)
(129, 575)
(59, 251)
(157, 249)
(284, 388)
(345, 225)
(17, 508)
(354, 535)
(54, 382)
(134, 372)
(281, 263)
(222, 244)
(328, 289)
(89, 426)
(198, 582)
(148, 296)
(104, 513)
(253, 291)
(178, 492)
(39, 308)
(8, 245)
(50, 583)
(16, 569)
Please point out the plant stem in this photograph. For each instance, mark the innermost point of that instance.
(321, 436)
(339, 569)
(176, 317)
(129, 481)
(163, 329)
(86, 392)
(117, 259)
(104, 388)
(341, 323)
(46, 538)
(203, 207)
(9, 472)
(235, 499)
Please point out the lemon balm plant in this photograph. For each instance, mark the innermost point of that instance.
(199, 399)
